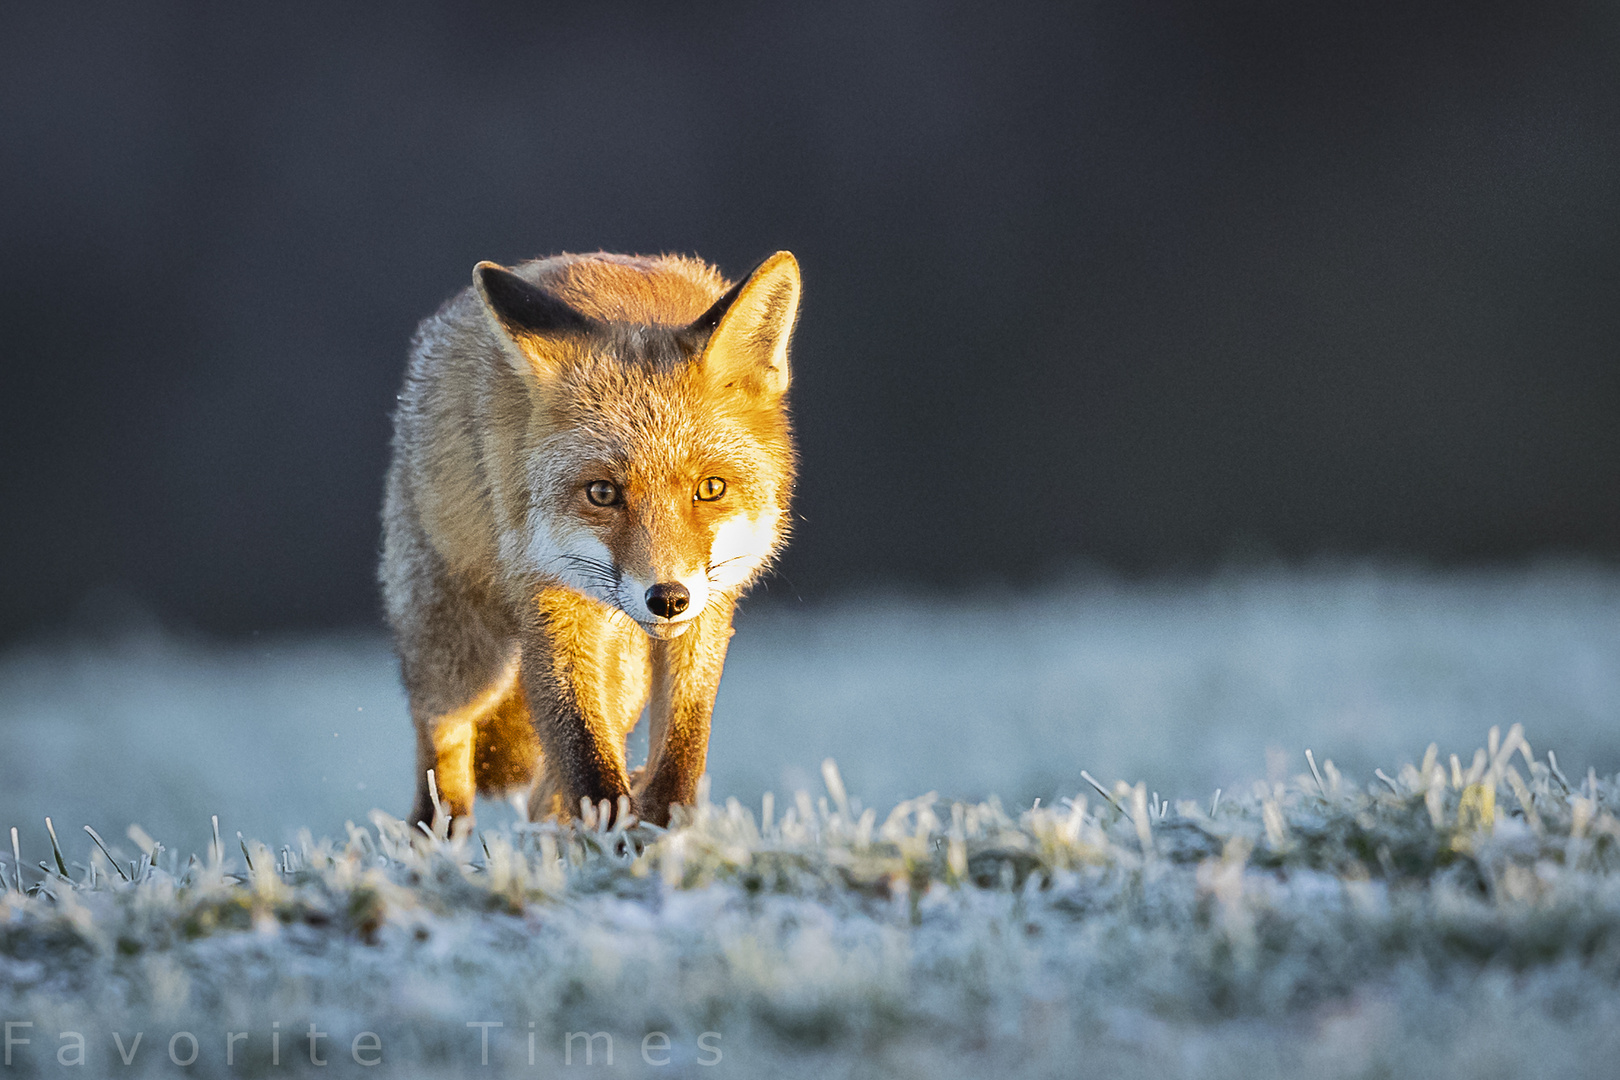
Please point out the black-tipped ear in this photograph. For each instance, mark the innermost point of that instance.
(523, 307)
(697, 332)
(744, 336)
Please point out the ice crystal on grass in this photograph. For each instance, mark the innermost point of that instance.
(1418, 925)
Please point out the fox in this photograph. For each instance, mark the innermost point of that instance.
(592, 461)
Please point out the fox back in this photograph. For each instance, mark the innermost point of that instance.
(592, 456)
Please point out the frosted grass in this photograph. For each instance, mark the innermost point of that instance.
(1449, 917)
(1186, 686)
(1376, 909)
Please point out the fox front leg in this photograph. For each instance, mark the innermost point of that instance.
(579, 703)
(686, 676)
(447, 712)
(445, 752)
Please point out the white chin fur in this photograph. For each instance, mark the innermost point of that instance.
(664, 631)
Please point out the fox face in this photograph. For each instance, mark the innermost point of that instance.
(656, 461)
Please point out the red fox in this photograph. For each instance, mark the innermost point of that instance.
(592, 460)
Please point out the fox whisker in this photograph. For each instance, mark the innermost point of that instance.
(603, 575)
(584, 562)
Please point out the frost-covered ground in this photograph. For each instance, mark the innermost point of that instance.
(1425, 925)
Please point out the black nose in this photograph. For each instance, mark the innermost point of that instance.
(668, 599)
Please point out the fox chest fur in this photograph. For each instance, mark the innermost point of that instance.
(591, 462)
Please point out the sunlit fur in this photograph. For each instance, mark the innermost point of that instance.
(498, 571)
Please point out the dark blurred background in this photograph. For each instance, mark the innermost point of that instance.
(1138, 285)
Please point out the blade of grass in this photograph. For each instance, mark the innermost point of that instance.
(56, 849)
(1310, 759)
(1088, 778)
(97, 838)
(1558, 774)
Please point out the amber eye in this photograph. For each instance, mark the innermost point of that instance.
(711, 489)
(602, 492)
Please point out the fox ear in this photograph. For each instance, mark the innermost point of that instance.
(745, 334)
(526, 312)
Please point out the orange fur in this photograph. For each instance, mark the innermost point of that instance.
(528, 624)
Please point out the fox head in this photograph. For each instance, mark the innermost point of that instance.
(656, 462)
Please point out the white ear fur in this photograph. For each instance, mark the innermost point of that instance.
(523, 315)
(749, 346)
(511, 351)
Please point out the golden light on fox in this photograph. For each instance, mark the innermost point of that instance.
(518, 390)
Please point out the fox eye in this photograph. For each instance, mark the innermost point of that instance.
(711, 489)
(602, 492)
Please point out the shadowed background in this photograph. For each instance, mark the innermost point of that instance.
(1135, 285)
